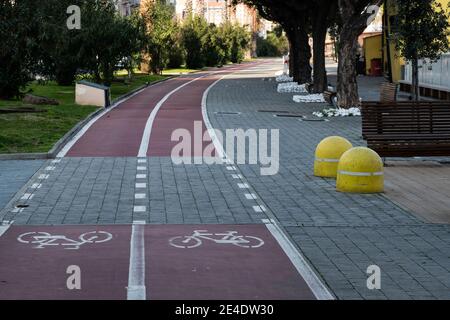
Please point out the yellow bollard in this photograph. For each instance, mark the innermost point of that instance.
(328, 153)
(360, 170)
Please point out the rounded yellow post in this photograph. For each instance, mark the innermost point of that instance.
(360, 170)
(328, 153)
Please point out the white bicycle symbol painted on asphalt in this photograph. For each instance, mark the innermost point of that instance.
(45, 239)
(230, 237)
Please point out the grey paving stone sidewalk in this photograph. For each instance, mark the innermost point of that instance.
(340, 234)
(102, 191)
(13, 176)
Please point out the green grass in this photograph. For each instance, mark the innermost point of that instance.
(38, 132)
(178, 71)
(118, 89)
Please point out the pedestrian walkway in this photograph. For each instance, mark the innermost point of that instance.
(13, 176)
(340, 234)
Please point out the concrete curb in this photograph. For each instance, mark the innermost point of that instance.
(69, 135)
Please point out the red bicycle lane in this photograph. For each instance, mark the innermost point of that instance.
(183, 110)
(180, 262)
(118, 133)
(33, 266)
(248, 265)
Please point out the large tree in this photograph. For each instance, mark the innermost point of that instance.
(162, 31)
(295, 22)
(421, 29)
(18, 42)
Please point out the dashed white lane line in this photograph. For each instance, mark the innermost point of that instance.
(36, 186)
(139, 209)
(141, 168)
(243, 186)
(136, 273)
(43, 176)
(231, 168)
(140, 196)
(250, 196)
(142, 160)
(236, 176)
(50, 168)
(141, 185)
(56, 161)
(141, 176)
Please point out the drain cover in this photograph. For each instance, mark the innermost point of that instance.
(315, 120)
(273, 111)
(227, 113)
(289, 116)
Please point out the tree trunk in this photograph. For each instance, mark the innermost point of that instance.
(354, 23)
(320, 73)
(302, 56)
(347, 85)
(415, 91)
(291, 39)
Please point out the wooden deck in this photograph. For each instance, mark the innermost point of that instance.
(420, 187)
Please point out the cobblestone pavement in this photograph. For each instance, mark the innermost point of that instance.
(13, 175)
(102, 191)
(340, 234)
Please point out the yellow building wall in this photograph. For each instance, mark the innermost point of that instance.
(397, 60)
(372, 50)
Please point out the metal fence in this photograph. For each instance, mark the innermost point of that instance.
(434, 75)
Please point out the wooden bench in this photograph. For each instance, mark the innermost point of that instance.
(388, 92)
(407, 129)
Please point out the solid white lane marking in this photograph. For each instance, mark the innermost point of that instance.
(141, 185)
(250, 196)
(148, 126)
(4, 227)
(243, 186)
(141, 168)
(140, 209)
(141, 176)
(319, 290)
(140, 196)
(259, 209)
(43, 176)
(83, 130)
(136, 273)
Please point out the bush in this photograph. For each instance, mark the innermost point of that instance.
(272, 46)
(214, 47)
(193, 31)
(162, 32)
(238, 40)
(176, 55)
(18, 41)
